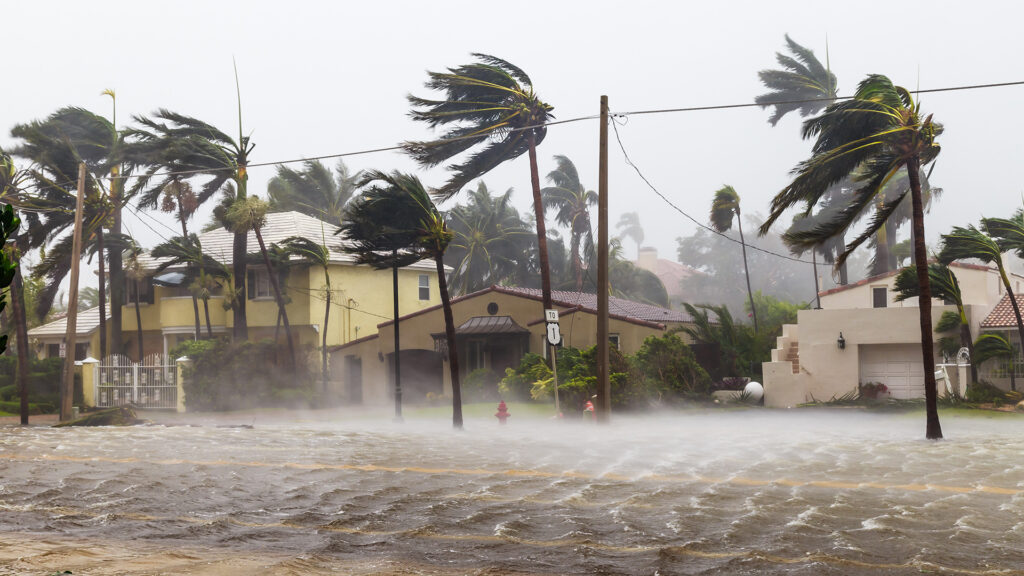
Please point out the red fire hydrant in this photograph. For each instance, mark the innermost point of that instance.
(502, 413)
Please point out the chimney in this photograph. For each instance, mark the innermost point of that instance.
(647, 258)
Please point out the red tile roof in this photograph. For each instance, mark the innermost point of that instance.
(1002, 315)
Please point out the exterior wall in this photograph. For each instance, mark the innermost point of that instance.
(579, 330)
(825, 370)
(979, 287)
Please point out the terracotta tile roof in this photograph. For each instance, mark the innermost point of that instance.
(1002, 315)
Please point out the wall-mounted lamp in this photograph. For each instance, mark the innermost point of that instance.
(841, 342)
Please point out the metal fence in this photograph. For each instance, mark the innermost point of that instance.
(151, 383)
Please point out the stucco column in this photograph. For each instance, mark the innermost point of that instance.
(90, 367)
(179, 379)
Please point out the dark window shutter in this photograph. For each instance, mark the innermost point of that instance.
(250, 285)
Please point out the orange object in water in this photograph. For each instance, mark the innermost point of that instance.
(502, 413)
(589, 407)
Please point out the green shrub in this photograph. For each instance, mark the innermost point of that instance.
(480, 385)
(668, 366)
(984, 393)
(518, 383)
(228, 376)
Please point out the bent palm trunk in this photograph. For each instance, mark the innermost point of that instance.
(933, 429)
(449, 333)
(280, 299)
(21, 338)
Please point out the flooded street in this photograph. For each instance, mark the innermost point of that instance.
(747, 492)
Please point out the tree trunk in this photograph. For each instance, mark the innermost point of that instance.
(188, 267)
(323, 342)
(21, 332)
(542, 237)
(453, 355)
(206, 310)
(817, 288)
(933, 430)
(398, 357)
(1016, 315)
(743, 245)
(239, 252)
(102, 289)
(577, 262)
(138, 317)
(280, 299)
(890, 242)
(881, 264)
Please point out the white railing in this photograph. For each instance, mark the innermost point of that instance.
(149, 384)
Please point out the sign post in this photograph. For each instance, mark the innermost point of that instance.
(554, 338)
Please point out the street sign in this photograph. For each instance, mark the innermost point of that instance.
(554, 334)
(551, 315)
(63, 349)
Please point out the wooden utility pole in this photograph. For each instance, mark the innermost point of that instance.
(67, 390)
(604, 392)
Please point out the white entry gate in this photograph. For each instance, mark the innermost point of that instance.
(151, 383)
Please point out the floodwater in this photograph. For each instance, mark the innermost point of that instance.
(747, 492)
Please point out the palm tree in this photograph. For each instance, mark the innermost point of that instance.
(490, 104)
(398, 214)
(803, 85)
(317, 254)
(202, 270)
(179, 199)
(12, 181)
(490, 240)
(56, 146)
(629, 227)
(724, 209)
(313, 190)
(250, 213)
(970, 242)
(720, 332)
(881, 131)
(991, 346)
(572, 201)
(944, 287)
(170, 144)
(135, 272)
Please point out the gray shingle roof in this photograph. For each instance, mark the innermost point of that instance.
(88, 322)
(616, 306)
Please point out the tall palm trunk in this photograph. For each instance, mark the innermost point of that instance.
(817, 288)
(882, 249)
(21, 332)
(577, 262)
(542, 233)
(323, 343)
(188, 267)
(138, 317)
(280, 299)
(206, 310)
(239, 251)
(746, 271)
(1016, 315)
(449, 333)
(890, 242)
(933, 429)
(102, 289)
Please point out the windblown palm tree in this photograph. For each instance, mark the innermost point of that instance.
(317, 254)
(188, 251)
(394, 223)
(169, 144)
(970, 242)
(803, 85)
(313, 190)
(877, 133)
(995, 346)
(572, 201)
(944, 287)
(179, 199)
(725, 208)
(489, 240)
(135, 272)
(490, 105)
(12, 183)
(629, 227)
(250, 213)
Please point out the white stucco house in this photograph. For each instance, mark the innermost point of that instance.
(861, 334)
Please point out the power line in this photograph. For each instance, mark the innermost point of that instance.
(630, 162)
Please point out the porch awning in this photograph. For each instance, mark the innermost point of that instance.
(490, 325)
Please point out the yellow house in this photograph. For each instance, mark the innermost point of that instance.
(361, 297)
(495, 327)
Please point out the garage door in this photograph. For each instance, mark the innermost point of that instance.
(898, 366)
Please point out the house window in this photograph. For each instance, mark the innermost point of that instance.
(141, 290)
(53, 350)
(259, 285)
(613, 341)
(475, 354)
(424, 287)
(880, 297)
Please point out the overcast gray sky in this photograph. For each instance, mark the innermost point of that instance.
(322, 78)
